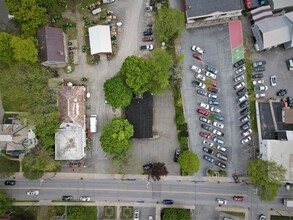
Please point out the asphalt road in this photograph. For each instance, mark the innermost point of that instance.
(190, 193)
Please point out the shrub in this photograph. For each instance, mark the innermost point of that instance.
(183, 134)
(183, 127)
(183, 142)
(223, 173)
(180, 120)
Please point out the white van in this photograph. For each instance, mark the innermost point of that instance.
(93, 123)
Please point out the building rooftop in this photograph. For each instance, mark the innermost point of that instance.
(288, 115)
(100, 39)
(280, 4)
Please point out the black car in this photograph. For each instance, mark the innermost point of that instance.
(176, 155)
(244, 111)
(147, 167)
(67, 198)
(245, 126)
(201, 92)
(9, 182)
(206, 127)
(238, 63)
(208, 150)
(147, 33)
(243, 104)
(241, 92)
(282, 92)
(168, 201)
(257, 76)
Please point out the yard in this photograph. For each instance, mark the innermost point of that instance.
(8, 167)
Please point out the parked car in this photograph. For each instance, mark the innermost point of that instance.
(210, 144)
(212, 96)
(259, 95)
(147, 33)
(261, 88)
(204, 105)
(243, 104)
(215, 109)
(220, 164)
(273, 80)
(245, 119)
(136, 214)
(259, 69)
(204, 119)
(203, 112)
(214, 84)
(218, 133)
(222, 156)
(147, 39)
(238, 63)
(290, 101)
(84, 198)
(235, 178)
(245, 126)
(282, 92)
(259, 81)
(211, 75)
(197, 49)
(289, 64)
(195, 69)
(67, 198)
(246, 132)
(198, 84)
(206, 127)
(198, 56)
(219, 117)
(33, 192)
(218, 125)
(244, 111)
(285, 102)
(205, 135)
(239, 85)
(148, 8)
(168, 201)
(147, 167)
(258, 63)
(208, 150)
(202, 92)
(242, 98)
(213, 102)
(176, 154)
(262, 217)
(239, 78)
(246, 140)
(208, 158)
(241, 92)
(212, 89)
(218, 140)
(212, 69)
(200, 77)
(221, 201)
(221, 148)
(9, 182)
(238, 198)
(147, 47)
(248, 5)
(240, 70)
(257, 76)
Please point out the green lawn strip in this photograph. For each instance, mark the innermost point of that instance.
(240, 214)
(26, 212)
(127, 212)
(273, 217)
(91, 212)
(8, 167)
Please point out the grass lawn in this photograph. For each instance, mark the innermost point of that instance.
(12, 105)
(8, 167)
(82, 212)
(26, 212)
(127, 212)
(109, 212)
(281, 218)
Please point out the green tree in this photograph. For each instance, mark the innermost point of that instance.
(158, 170)
(5, 202)
(117, 93)
(6, 53)
(176, 213)
(266, 176)
(28, 13)
(158, 65)
(169, 24)
(115, 137)
(135, 75)
(189, 162)
(24, 50)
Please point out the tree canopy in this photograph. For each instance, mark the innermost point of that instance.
(5, 202)
(189, 162)
(117, 93)
(267, 177)
(115, 137)
(6, 53)
(158, 170)
(176, 213)
(169, 24)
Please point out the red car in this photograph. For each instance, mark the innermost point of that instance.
(248, 4)
(202, 112)
(197, 56)
(285, 102)
(147, 38)
(212, 89)
(215, 84)
(238, 198)
(205, 135)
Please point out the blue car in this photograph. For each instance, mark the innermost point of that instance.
(214, 102)
(219, 117)
(212, 69)
(168, 201)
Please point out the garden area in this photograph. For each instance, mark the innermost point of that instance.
(126, 212)
(109, 212)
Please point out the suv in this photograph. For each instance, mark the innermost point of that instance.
(206, 127)
(176, 155)
(195, 69)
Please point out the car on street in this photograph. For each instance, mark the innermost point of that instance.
(198, 84)
(210, 144)
(212, 96)
(197, 49)
(168, 201)
(136, 215)
(9, 182)
(239, 63)
(246, 140)
(242, 98)
(211, 75)
(259, 81)
(262, 217)
(241, 92)
(195, 69)
(239, 78)
(212, 89)
(84, 198)
(258, 63)
(221, 148)
(147, 33)
(208, 150)
(176, 154)
(221, 201)
(204, 119)
(218, 140)
(67, 198)
(246, 132)
(244, 111)
(200, 77)
(205, 135)
(259, 69)
(212, 69)
(243, 104)
(240, 70)
(245, 126)
(202, 112)
(147, 39)
(222, 156)
(32, 192)
(213, 102)
(245, 119)
(201, 92)
(219, 117)
(204, 105)
(259, 95)
(218, 125)
(218, 133)
(208, 158)
(220, 164)
(147, 167)
(206, 127)
(239, 85)
(273, 80)
(198, 56)
(282, 92)
(215, 109)
(238, 198)
(147, 47)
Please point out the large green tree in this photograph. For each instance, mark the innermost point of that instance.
(6, 53)
(267, 177)
(189, 162)
(115, 137)
(5, 202)
(117, 93)
(176, 213)
(24, 50)
(169, 24)
(28, 13)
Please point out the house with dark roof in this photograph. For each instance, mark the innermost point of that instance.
(211, 12)
(140, 114)
(53, 49)
(70, 139)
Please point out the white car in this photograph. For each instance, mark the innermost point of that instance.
(211, 75)
(221, 201)
(136, 214)
(239, 78)
(215, 109)
(246, 133)
(200, 77)
(32, 192)
(256, 82)
(221, 148)
(261, 88)
(218, 133)
(260, 95)
(212, 96)
(195, 69)
(246, 140)
(240, 70)
(218, 125)
(239, 85)
(204, 105)
(197, 49)
(84, 198)
(210, 144)
(273, 80)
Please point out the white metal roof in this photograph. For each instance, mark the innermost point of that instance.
(100, 39)
(280, 4)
